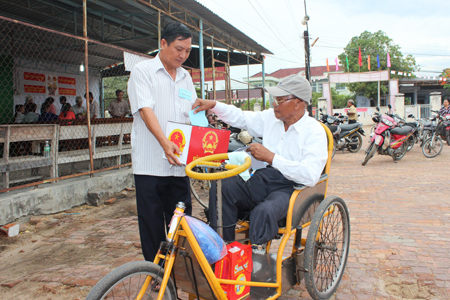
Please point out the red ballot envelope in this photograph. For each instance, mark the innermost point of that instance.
(195, 142)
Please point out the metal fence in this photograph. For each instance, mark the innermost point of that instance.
(46, 131)
(419, 111)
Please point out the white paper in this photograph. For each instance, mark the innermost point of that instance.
(256, 164)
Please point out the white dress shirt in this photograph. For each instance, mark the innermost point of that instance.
(300, 152)
(150, 85)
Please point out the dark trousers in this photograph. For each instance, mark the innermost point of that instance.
(156, 199)
(351, 121)
(265, 197)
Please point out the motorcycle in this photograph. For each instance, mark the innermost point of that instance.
(388, 138)
(346, 136)
(443, 126)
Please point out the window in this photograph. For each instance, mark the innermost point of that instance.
(340, 86)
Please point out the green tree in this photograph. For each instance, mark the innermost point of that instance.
(340, 100)
(315, 98)
(373, 44)
(446, 74)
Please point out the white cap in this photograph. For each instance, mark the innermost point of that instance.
(296, 85)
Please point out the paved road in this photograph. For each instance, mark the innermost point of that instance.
(400, 247)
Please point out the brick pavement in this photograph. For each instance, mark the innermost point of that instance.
(399, 248)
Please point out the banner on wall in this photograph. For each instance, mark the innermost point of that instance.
(46, 84)
(220, 74)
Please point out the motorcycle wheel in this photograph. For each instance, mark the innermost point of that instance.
(410, 142)
(369, 153)
(356, 141)
(403, 149)
(432, 147)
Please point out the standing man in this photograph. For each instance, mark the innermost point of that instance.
(352, 112)
(118, 108)
(160, 90)
(94, 108)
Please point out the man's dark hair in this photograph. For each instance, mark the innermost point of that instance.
(62, 99)
(49, 100)
(65, 108)
(118, 91)
(90, 95)
(175, 30)
(44, 107)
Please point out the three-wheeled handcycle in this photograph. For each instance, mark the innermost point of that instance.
(313, 245)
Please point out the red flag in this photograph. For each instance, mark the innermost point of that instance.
(368, 62)
(328, 67)
(207, 141)
(359, 57)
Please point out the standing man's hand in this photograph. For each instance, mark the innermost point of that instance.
(203, 105)
(170, 148)
(260, 152)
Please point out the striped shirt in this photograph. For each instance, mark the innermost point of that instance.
(150, 85)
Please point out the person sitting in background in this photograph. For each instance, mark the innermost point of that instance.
(51, 107)
(46, 115)
(119, 108)
(30, 113)
(445, 109)
(20, 110)
(94, 108)
(78, 109)
(66, 112)
(62, 101)
(28, 99)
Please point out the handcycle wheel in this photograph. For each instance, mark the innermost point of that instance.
(327, 247)
(356, 141)
(432, 147)
(369, 153)
(126, 282)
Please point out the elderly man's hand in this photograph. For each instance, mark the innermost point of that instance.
(203, 105)
(260, 152)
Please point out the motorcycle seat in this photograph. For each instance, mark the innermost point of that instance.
(404, 130)
(348, 127)
(412, 124)
(427, 123)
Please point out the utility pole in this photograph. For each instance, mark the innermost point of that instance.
(307, 62)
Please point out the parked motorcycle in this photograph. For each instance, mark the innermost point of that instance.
(346, 136)
(443, 126)
(388, 138)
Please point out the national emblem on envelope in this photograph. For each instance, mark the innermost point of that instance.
(195, 142)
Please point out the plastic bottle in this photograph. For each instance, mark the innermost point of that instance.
(179, 212)
(47, 149)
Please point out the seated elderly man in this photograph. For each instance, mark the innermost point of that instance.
(294, 149)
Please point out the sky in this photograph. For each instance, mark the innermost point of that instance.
(419, 27)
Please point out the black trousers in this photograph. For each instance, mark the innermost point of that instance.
(265, 197)
(351, 121)
(156, 199)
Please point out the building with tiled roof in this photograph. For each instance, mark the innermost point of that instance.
(318, 76)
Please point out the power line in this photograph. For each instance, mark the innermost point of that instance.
(272, 30)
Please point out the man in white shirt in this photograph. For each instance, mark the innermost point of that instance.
(294, 147)
(94, 107)
(160, 90)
